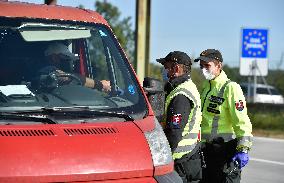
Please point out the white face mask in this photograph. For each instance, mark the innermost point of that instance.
(208, 74)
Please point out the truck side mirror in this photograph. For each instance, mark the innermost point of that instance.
(154, 89)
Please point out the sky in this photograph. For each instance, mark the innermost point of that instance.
(195, 25)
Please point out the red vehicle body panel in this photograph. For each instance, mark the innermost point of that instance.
(113, 148)
(27, 10)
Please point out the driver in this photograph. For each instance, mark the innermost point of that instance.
(60, 61)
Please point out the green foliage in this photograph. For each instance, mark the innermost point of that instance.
(267, 116)
(271, 121)
(197, 78)
(155, 71)
(233, 74)
(121, 28)
(275, 78)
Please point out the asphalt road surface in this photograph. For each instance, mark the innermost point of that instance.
(266, 163)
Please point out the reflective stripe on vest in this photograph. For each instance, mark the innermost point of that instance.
(243, 141)
(226, 136)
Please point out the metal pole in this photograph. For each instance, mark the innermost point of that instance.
(148, 30)
(255, 81)
(249, 90)
(141, 63)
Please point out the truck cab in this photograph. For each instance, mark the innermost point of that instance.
(54, 127)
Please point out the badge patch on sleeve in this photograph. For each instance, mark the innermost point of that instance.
(239, 105)
(176, 120)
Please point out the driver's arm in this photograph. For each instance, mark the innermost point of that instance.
(102, 85)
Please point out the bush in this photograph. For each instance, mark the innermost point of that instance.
(266, 116)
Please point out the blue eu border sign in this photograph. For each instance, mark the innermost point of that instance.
(254, 57)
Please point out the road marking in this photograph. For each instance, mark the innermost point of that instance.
(267, 161)
(269, 139)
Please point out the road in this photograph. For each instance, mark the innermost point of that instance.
(266, 162)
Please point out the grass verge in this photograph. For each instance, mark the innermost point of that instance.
(268, 133)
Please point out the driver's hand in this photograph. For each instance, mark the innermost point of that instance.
(62, 79)
(106, 85)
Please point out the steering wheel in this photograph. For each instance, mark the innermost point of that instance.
(68, 78)
(55, 79)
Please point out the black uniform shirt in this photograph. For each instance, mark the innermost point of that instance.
(177, 113)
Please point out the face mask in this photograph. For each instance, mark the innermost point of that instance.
(208, 74)
(165, 75)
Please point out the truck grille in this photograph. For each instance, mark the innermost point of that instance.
(50, 132)
(90, 131)
(9, 133)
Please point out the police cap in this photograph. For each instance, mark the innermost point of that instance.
(176, 57)
(210, 55)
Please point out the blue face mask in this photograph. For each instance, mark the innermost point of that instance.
(165, 75)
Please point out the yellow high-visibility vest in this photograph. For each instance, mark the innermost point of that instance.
(192, 128)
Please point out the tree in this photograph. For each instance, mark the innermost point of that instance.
(275, 78)
(121, 28)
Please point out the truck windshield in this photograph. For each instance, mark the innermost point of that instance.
(56, 65)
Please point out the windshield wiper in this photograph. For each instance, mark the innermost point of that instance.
(13, 116)
(86, 111)
(78, 111)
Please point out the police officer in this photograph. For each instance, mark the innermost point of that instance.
(182, 116)
(225, 127)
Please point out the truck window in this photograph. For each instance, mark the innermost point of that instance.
(262, 91)
(29, 81)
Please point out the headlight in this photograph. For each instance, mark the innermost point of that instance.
(159, 145)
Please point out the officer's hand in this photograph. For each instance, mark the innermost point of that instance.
(242, 158)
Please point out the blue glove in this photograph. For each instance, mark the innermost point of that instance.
(242, 158)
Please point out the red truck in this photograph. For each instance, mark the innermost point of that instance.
(53, 128)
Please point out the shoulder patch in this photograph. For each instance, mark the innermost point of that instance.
(239, 105)
(176, 120)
